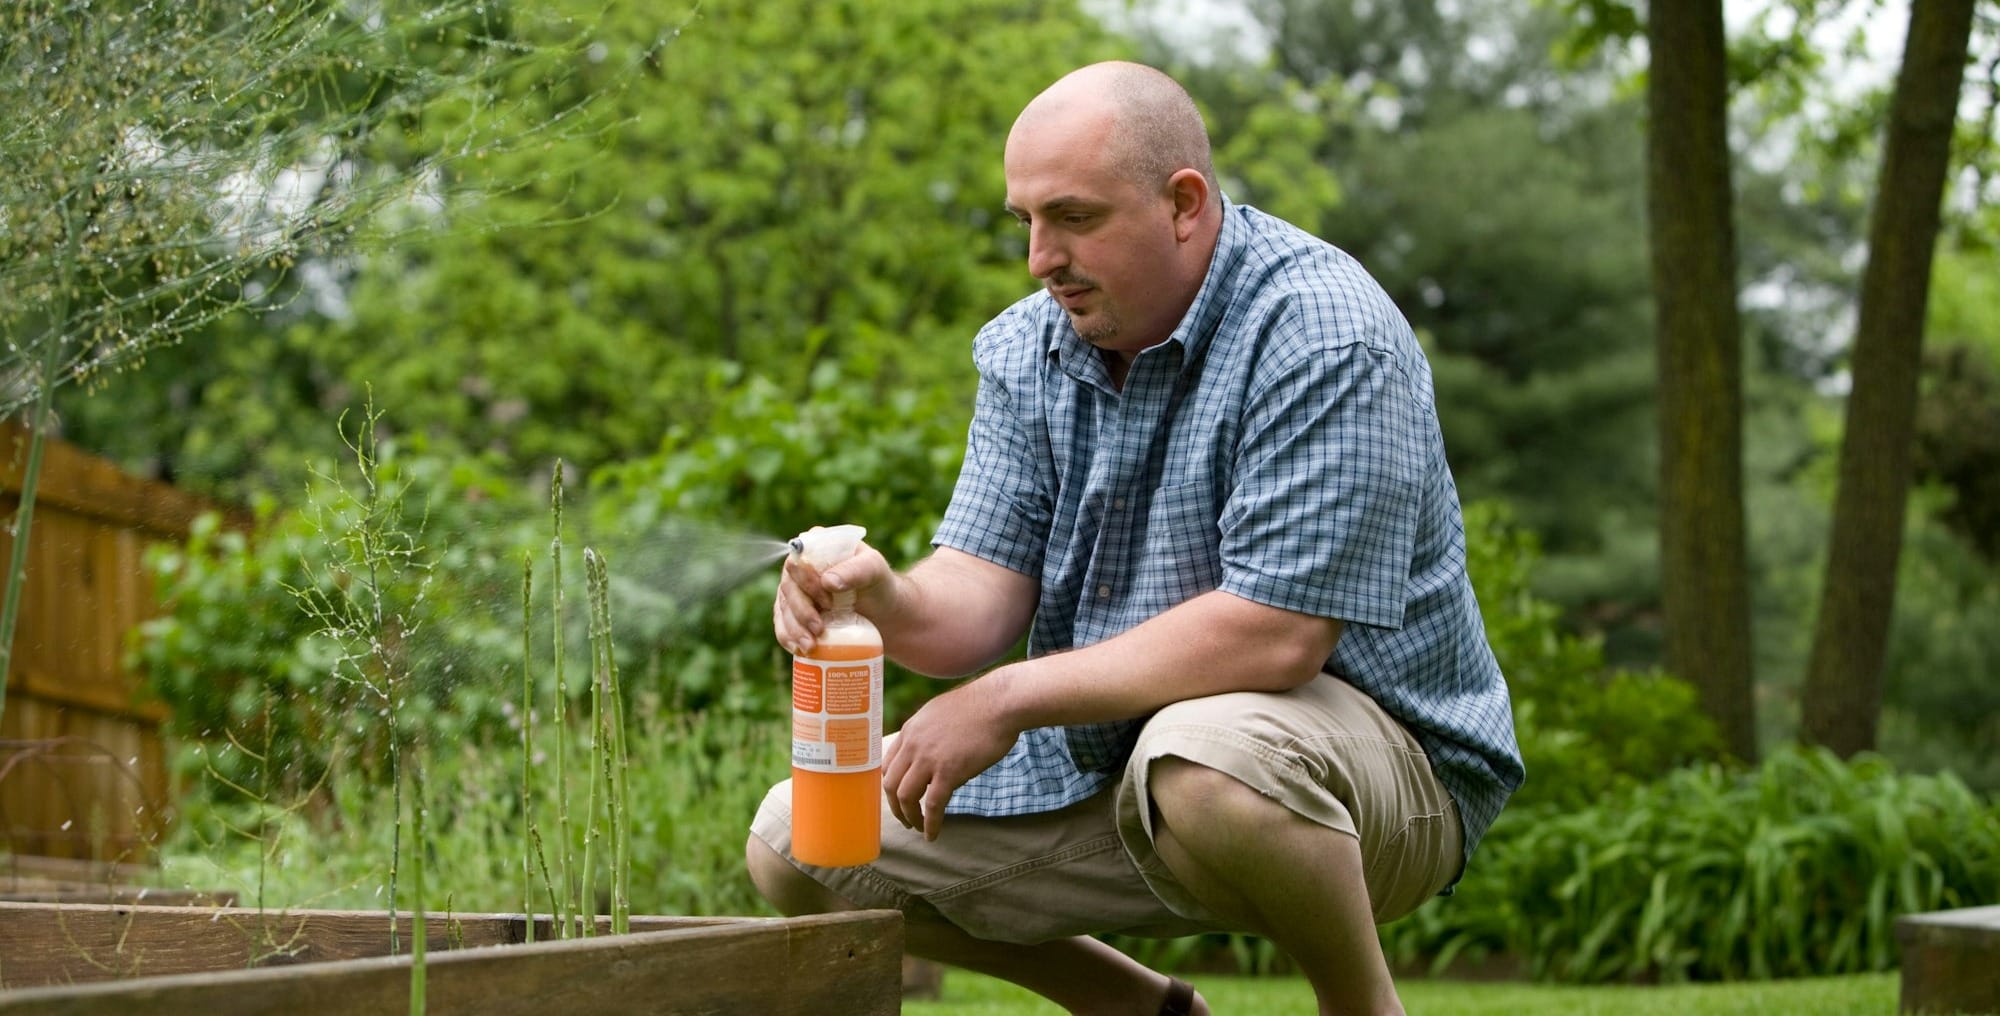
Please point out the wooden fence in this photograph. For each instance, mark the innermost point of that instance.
(82, 770)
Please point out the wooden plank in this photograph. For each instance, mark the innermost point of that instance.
(1951, 961)
(74, 893)
(836, 963)
(100, 941)
(33, 795)
(74, 783)
(88, 485)
(69, 870)
(85, 589)
(71, 639)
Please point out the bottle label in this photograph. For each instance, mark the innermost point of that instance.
(837, 714)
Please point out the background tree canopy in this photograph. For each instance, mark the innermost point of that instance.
(793, 204)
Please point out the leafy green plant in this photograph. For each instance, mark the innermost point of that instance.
(232, 633)
(1944, 711)
(168, 164)
(1798, 867)
(694, 779)
(386, 658)
(1585, 728)
(375, 552)
(773, 464)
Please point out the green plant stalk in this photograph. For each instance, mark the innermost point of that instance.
(31, 472)
(371, 552)
(611, 732)
(564, 855)
(529, 839)
(621, 803)
(548, 884)
(621, 812)
(592, 584)
(610, 817)
(263, 804)
(24, 517)
(418, 938)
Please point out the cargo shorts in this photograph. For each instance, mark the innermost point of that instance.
(1323, 750)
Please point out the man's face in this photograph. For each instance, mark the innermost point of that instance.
(1104, 246)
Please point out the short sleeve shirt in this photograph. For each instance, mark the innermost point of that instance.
(1281, 445)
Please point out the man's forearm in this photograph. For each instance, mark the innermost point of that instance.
(1214, 643)
(951, 614)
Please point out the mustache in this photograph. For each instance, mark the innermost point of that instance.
(1066, 279)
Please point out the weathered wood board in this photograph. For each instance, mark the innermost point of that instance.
(147, 960)
(1951, 961)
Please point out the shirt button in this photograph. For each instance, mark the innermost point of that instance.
(1118, 503)
(1103, 592)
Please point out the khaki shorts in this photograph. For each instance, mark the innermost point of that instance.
(1324, 750)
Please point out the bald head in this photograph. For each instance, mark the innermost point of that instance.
(1147, 123)
(1108, 170)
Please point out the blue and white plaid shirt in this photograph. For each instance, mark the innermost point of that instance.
(1281, 445)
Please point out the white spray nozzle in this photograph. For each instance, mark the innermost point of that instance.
(825, 546)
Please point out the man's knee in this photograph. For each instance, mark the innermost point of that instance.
(780, 882)
(1181, 791)
(1216, 818)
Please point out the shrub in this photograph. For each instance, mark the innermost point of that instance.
(235, 658)
(1798, 867)
(772, 465)
(1586, 730)
(695, 780)
(688, 535)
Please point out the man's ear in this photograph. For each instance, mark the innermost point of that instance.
(1191, 197)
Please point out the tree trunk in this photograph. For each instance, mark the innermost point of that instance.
(1704, 582)
(1843, 688)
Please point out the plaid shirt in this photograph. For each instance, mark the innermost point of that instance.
(1281, 445)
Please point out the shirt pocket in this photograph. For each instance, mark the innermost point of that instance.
(1182, 555)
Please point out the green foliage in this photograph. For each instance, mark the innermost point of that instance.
(1796, 868)
(233, 639)
(235, 652)
(1586, 730)
(838, 205)
(1941, 704)
(1958, 416)
(769, 464)
(680, 527)
(694, 779)
(163, 156)
(1532, 296)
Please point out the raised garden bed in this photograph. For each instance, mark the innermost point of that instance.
(1951, 961)
(98, 958)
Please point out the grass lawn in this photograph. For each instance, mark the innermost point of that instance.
(1860, 995)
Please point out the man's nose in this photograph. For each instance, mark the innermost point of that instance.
(1046, 253)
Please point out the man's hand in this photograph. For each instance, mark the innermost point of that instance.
(953, 738)
(804, 593)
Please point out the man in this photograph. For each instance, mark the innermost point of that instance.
(1205, 465)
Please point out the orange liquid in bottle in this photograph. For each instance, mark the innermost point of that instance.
(837, 817)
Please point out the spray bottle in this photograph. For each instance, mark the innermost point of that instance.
(837, 722)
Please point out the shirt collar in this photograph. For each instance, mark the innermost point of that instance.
(1212, 301)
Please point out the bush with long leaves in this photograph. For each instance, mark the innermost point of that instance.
(1798, 867)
